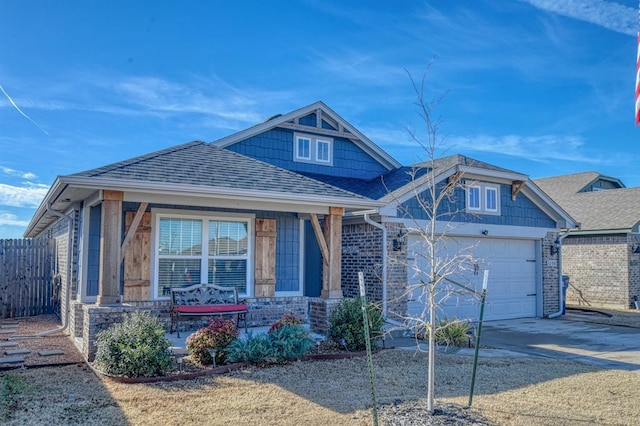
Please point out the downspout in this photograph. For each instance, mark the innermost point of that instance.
(65, 323)
(384, 261)
(558, 243)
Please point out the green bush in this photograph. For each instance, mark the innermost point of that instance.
(346, 325)
(217, 335)
(289, 342)
(286, 319)
(135, 347)
(452, 332)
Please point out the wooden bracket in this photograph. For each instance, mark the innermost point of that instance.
(324, 249)
(132, 230)
(516, 186)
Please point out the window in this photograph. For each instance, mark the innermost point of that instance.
(473, 198)
(199, 249)
(491, 199)
(322, 151)
(313, 150)
(483, 198)
(303, 148)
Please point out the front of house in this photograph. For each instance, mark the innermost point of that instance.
(288, 211)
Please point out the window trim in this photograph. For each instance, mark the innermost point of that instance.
(314, 145)
(483, 188)
(205, 216)
(299, 138)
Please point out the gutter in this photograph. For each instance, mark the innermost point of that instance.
(558, 243)
(65, 322)
(384, 260)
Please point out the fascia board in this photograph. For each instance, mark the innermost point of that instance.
(54, 191)
(227, 193)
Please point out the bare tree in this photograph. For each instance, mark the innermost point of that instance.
(437, 271)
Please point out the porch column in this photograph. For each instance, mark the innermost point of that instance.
(110, 239)
(332, 267)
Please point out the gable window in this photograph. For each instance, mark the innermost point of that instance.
(194, 250)
(303, 148)
(473, 198)
(312, 149)
(483, 198)
(322, 151)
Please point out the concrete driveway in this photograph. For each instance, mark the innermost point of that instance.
(606, 346)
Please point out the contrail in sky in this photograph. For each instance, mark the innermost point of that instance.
(21, 112)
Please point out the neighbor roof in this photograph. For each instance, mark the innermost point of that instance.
(610, 210)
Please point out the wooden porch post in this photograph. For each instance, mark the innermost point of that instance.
(110, 239)
(332, 267)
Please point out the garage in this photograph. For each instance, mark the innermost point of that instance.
(512, 286)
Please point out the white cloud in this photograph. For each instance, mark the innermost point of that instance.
(536, 148)
(23, 175)
(9, 219)
(29, 195)
(607, 14)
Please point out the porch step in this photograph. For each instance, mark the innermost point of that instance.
(10, 323)
(8, 344)
(5, 326)
(17, 352)
(11, 360)
(7, 330)
(51, 352)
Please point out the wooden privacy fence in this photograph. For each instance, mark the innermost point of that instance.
(27, 277)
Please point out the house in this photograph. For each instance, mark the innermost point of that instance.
(288, 211)
(602, 257)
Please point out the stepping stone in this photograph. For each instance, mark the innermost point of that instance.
(4, 326)
(8, 344)
(18, 352)
(51, 352)
(7, 330)
(14, 360)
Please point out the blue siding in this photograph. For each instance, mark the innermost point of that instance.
(276, 147)
(521, 212)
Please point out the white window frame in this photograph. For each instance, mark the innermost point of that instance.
(205, 217)
(319, 144)
(469, 190)
(315, 142)
(487, 190)
(299, 139)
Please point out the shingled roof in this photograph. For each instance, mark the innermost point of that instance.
(611, 210)
(202, 164)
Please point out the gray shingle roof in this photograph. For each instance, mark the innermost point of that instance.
(202, 164)
(611, 209)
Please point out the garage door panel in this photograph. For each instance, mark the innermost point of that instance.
(512, 278)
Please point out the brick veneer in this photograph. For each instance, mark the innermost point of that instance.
(603, 270)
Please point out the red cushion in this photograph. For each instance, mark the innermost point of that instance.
(209, 309)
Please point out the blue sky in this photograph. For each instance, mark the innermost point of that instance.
(543, 87)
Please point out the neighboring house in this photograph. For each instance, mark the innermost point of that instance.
(602, 257)
(288, 211)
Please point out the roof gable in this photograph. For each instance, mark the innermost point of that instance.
(320, 119)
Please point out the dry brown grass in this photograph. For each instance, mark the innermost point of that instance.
(508, 391)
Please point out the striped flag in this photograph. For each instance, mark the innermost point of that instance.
(638, 84)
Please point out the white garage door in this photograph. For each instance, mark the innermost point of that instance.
(511, 289)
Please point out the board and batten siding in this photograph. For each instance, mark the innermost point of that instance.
(137, 264)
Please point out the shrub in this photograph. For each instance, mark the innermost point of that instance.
(287, 343)
(287, 319)
(452, 332)
(217, 335)
(346, 325)
(133, 348)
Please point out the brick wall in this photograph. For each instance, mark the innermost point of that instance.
(550, 275)
(602, 270)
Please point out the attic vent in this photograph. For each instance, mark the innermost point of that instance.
(272, 117)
